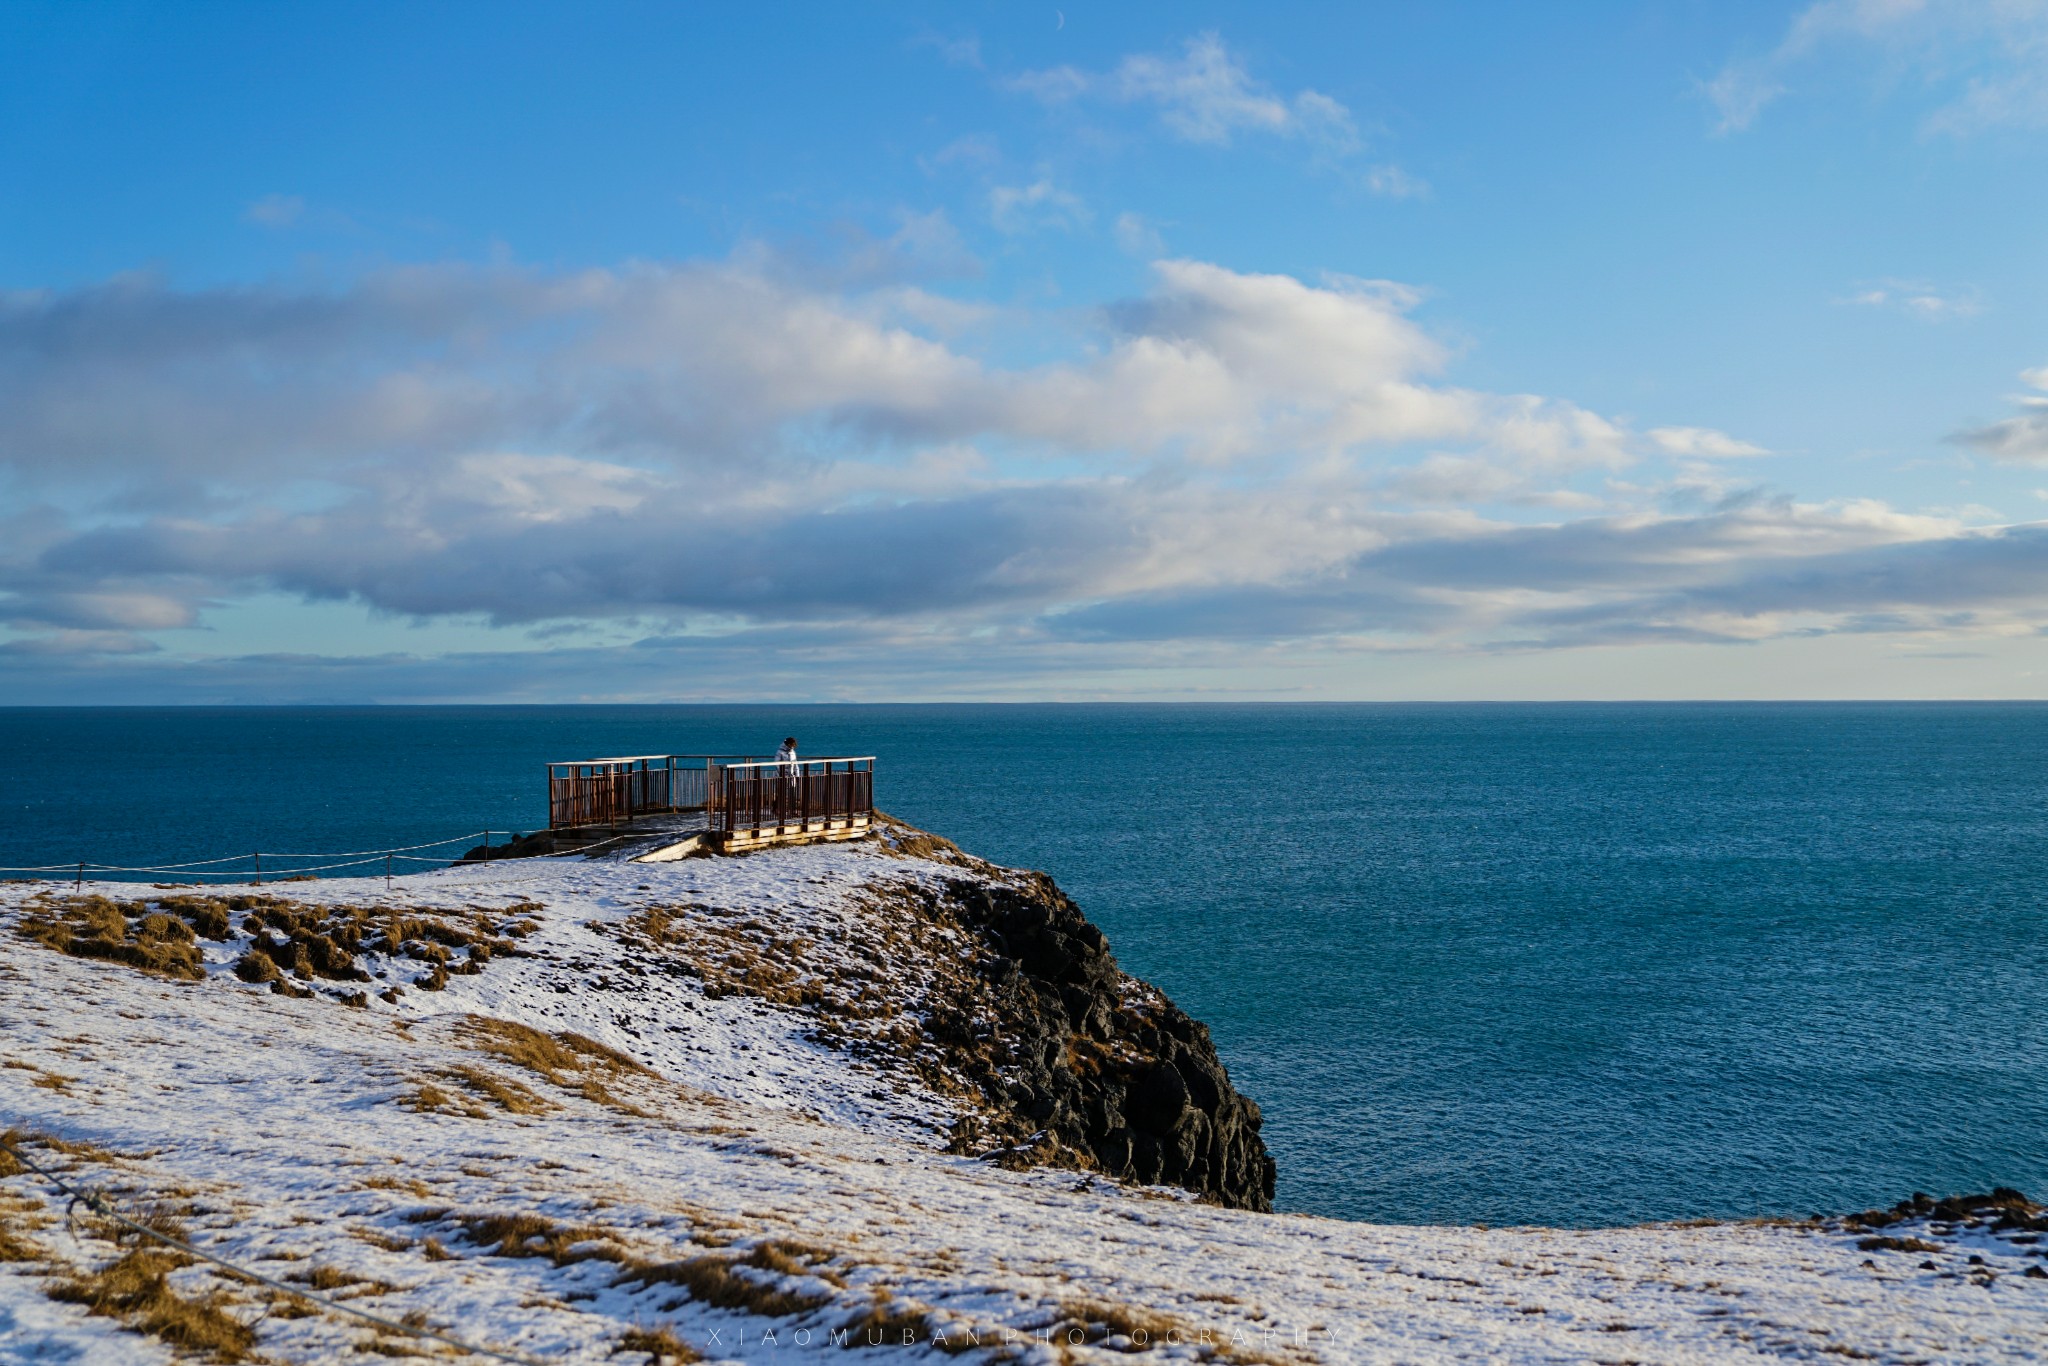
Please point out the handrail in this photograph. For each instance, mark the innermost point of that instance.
(631, 759)
(834, 759)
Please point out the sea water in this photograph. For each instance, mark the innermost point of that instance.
(1572, 964)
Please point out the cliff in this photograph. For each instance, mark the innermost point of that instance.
(586, 1110)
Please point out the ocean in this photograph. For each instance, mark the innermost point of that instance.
(1553, 964)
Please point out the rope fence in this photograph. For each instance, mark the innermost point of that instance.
(102, 1204)
(79, 870)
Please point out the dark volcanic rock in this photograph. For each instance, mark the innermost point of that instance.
(1101, 1063)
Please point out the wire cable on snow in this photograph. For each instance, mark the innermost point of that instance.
(102, 1204)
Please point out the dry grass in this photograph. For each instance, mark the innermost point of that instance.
(17, 1218)
(903, 979)
(26, 1138)
(377, 1238)
(288, 939)
(44, 1078)
(575, 1063)
(477, 1086)
(427, 1098)
(1127, 1328)
(787, 1258)
(114, 931)
(885, 1323)
(535, 1235)
(507, 1094)
(661, 1344)
(433, 1251)
(135, 1289)
(906, 839)
(1883, 1243)
(328, 1280)
(718, 1281)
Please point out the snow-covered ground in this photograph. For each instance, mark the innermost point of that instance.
(736, 1160)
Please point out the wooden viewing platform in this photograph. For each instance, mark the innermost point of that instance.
(746, 803)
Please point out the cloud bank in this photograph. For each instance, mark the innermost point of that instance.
(733, 466)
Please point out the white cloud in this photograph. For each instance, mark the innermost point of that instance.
(1395, 183)
(1918, 299)
(1202, 94)
(1041, 204)
(2021, 439)
(979, 150)
(1985, 61)
(1138, 237)
(1700, 443)
(1739, 94)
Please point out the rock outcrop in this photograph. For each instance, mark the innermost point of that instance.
(1051, 1053)
(1101, 1064)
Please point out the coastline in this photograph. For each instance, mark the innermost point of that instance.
(874, 1080)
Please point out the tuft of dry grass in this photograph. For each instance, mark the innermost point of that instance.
(885, 1323)
(785, 1257)
(717, 1281)
(44, 1078)
(15, 1219)
(433, 1251)
(135, 1289)
(429, 1099)
(377, 1238)
(535, 1235)
(507, 1094)
(257, 968)
(661, 1344)
(569, 1060)
(208, 916)
(328, 1278)
(477, 1086)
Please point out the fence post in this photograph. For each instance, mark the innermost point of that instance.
(79, 885)
(487, 846)
(387, 872)
(258, 856)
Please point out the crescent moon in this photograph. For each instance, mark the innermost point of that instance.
(1062, 20)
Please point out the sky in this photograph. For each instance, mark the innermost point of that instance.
(978, 351)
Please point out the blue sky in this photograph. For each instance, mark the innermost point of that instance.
(901, 352)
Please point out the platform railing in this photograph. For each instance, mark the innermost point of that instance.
(610, 791)
(762, 800)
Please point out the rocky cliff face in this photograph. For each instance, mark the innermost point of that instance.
(990, 987)
(1096, 1064)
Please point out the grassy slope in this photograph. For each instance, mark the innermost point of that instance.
(626, 1156)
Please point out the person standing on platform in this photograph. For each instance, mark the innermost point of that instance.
(790, 771)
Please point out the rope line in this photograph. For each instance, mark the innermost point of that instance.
(198, 869)
(265, 853)
(396, 849)
(102, 1204)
